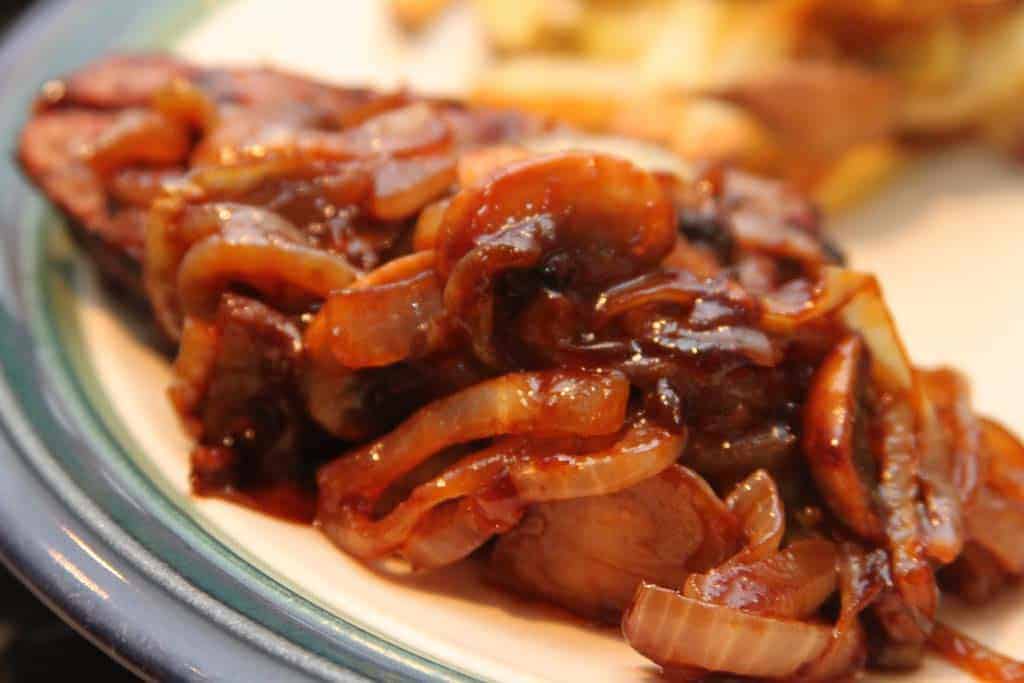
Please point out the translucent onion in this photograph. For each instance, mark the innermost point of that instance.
(379, 325)
(949, 393)
(275, 263)
(675, 336)
(943, 526)
(1004, 460)
(844, 656)
(722, 534)
(756, 503)
(677, 631)
(791, 307)
(397, 270)
(842, 471)
(994, 522)
(902, 408)
(450, 533)
(898, 498)
(644, 451)
(791, 583)
(231, 242)
(679, 288)
(402, 187)
(197, 354)
(369, 539)
(428, 225)
(140, 137)
(556, 403)
(503, 479)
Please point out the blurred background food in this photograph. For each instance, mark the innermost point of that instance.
(833, 95)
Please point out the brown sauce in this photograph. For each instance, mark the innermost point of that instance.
(284, 500)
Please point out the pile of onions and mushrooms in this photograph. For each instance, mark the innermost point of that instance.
(654, 399)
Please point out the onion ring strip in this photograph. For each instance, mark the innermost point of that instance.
(556, 403)
(757, 504)
(790, 584)
(830, 424)
(502, 480)
(677, 631)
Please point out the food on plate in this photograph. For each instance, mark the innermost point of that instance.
(832, 95)
(651, 398)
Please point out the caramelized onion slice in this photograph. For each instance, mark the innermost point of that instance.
(194, 252)
(676, 337)
(556, 403)
(1004, 459)
(834, 440)
(502, 480)
(949, 392)
(756, 503)
(450, 533)
(723, 534)
(275, 260)
(943, 522)
(791, 583)
(384, 324)
(867, 314)
(898, 495)
(844, 656)
(862, 578)
(193, 365)
(644, 450)
(397, 270)
(414, 129)
(140, 137)
(366, 538)
(172, 228)
(469, 290)
(901, 409)
(798, 303)
(402, 187)
(428, 225)
(767, 218)
(995, 522)
(679, 288)
(677, 631)
(407, 131)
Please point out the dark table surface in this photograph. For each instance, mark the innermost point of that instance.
(34, 644)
